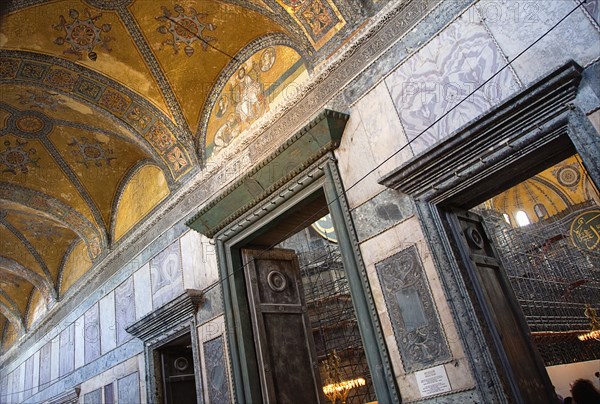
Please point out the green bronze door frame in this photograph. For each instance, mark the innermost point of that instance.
(318, 180)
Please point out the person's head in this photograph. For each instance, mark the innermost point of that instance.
(584, 392)
(568, 400)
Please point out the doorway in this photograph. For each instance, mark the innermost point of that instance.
(307, 339)
(533, 255)
(177, 371)
(257, 314)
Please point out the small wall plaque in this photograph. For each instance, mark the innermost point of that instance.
(433, 381)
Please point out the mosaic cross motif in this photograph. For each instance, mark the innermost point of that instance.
(16, 158)
(91, 152)
(317, 16)
(185, 29)
(82, 34)
(41, 99)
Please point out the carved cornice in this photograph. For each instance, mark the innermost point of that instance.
(511, 130)
(321, 135)
(170, 316)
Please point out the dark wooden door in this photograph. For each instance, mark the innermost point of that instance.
(518, 358)
(287, 361)
(179, 377)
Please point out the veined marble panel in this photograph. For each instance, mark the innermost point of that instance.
(45, 359)
(80, 342)
(67, 350)
(36, 372)
(428, 88)
(593, 8)
(143, 291)
(199, 261)
(516, 24)
(28, 377)
(125, 309)
(4, 390)
(108, 333)
(91, 334)
(93, 397)
(128, 389)
(216, 371)
(165, 271)
(55, 361)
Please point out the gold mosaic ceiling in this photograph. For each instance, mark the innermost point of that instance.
(104, 109)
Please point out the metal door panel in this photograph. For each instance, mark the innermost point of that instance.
(283, 338)
(519, 359)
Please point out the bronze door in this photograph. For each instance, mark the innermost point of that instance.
(287, 361)
(518, 358)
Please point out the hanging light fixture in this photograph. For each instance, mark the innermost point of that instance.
(590, 313)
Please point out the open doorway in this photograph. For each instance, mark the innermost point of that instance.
(533, 255)
(307, 339)
(177, 371)
(546, 231)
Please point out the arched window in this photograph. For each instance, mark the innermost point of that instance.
(540, 210)
(522, 218)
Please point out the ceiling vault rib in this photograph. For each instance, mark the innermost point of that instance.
(42, 284)
(32, 250)
(14, 317)
(174, 106)
(57, 210)
(137, 142)
(63, 262)
(182, 138)
(79, 186)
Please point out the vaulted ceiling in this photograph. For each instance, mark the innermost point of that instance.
(108, 106)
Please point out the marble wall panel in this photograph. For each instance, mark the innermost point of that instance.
(66, 344)
(55, 361)
(516, 24)
(4, 390)
(45, 358)
(380, 213)
(429, 87)
(593, 9)
(36, 372)
(412, 313)
(93, 397)
(216, 372)
(165, 271)
(143, 291)
(125, 309)
(108, 334)
(355, 160)
(91, 334)
(79, 342)
(199, 261)
(28, 376)
(15, 381)
(128, 389)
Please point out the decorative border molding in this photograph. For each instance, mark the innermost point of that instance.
(320, 174)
